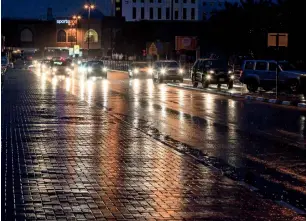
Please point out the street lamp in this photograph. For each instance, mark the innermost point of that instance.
(89, 7)
(76, 18)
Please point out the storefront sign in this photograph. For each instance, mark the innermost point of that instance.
(66, 21)
(185, 43)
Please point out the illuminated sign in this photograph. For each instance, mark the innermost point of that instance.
(62, 21)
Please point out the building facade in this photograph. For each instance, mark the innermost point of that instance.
(179, 10)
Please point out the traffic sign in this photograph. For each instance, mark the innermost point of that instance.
(152, 49)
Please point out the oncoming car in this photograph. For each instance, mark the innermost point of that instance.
(212, 71)
(140, 69)
(167, 70)
(95, 68)
(60, 67)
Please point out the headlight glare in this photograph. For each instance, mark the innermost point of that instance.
(136, 71)
(230, 72)
(208, 77)
(150, 70)
(104, 69)
(211, 72)
(89, 69)
(181, 71)
(232, 77)
(163, 71)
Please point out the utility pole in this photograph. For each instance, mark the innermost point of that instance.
(88, 6)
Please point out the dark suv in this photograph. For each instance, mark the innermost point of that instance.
(262, 73)
(212, 71)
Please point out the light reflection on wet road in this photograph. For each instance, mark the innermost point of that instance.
(262, 139)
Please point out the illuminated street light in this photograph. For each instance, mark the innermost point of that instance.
(88, 7)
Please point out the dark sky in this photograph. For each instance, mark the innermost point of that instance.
(38, 8)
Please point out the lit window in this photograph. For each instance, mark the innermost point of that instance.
(91, 35)
(118, 9)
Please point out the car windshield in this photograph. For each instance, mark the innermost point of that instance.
(167, 64)
(95, 63)
(216, 64)
(140, 65)
(59, 63)
(286, 66)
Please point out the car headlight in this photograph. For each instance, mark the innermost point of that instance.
(89, 69)
(43, 66)
(232, 77)
(104, 69)
(211, 72)
(208, 77)
(181, 71)
(79, 62)
(72, 64)
(136, 71)
(230, 72)
(54, 69)
(163, 71)
(150, 70)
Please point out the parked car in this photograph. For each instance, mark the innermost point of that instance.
(167, 70)
(212, 71)
(96, 68)
(60, 67)
(139, 69)
(262, 73)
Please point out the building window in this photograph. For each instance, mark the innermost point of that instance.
(184, 13)
(134, 12)
(117, 8)
(142, 13)
(26, 35)
(159, 13)
(71, 36)
(192, 14)
(151, 13)
(167, 13)
(176, 14)
(61, 36)
(91, 36)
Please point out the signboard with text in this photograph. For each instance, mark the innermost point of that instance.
(277, 39)
(188, 43)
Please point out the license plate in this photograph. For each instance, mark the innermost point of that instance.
(221, 79)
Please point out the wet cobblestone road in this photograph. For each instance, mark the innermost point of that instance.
(66, 159)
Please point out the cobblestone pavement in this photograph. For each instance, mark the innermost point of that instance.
(66, 159)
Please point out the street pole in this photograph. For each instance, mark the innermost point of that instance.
(76, 32)
(277, 52)
(88, 32)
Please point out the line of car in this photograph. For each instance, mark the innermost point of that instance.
(254, 73)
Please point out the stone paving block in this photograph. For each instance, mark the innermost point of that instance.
(67, 159)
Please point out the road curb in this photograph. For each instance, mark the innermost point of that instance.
(246, 97)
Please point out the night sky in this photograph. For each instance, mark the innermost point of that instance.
(38, 8)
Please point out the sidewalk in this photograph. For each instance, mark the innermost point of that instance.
(65, 159)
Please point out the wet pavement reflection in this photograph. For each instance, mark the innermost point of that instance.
(107, 149)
